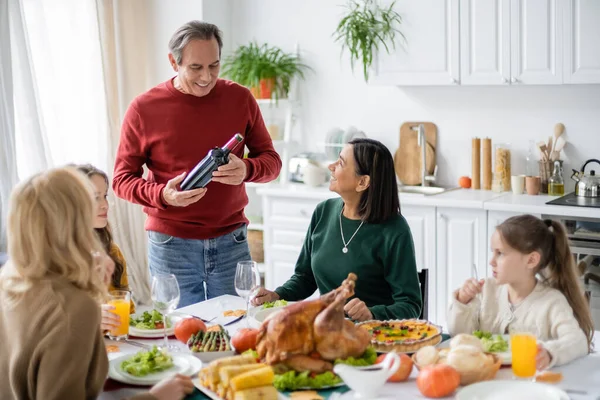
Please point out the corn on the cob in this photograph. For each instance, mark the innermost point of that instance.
(227, 373)
(258, 377)
(257, 393)
(215, 366)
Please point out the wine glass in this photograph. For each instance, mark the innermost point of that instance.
(247, 281)
(165, 297)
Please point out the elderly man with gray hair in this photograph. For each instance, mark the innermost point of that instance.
(198, 235)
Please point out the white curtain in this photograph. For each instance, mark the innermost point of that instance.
(60, 105)
(76, 65)
(8, 165)
(123, 33)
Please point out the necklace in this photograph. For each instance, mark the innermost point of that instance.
(345, 248)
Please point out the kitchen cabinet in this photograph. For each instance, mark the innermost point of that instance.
(421, 220)
(581, 40)
(485, 42)
(510, 42)
(494, 42)
(461, 237)
(430, 55)
(536, 42)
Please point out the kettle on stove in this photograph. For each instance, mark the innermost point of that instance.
(587, 185)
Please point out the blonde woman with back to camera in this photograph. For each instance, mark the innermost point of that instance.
(50, 290)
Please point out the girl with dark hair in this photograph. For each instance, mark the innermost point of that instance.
(119, 279)
(534, 289)
(362, 232)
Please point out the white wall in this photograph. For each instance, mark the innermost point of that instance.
(333, 96)
(164, 17)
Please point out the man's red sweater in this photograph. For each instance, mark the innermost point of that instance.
(170, 132)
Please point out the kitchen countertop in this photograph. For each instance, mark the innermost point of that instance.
(458, 198)
(537, 205)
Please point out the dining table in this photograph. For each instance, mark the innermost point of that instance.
(581, 378)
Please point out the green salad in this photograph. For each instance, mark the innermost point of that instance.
(276, 303)
(292, 380)
(492, 343)
(149, 320)
(147, 362)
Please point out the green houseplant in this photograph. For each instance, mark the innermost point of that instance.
(365, 28)
(266, 70)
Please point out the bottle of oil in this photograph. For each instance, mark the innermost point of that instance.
(556, 184)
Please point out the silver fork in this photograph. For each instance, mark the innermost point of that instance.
(475, 275)
(138, 344)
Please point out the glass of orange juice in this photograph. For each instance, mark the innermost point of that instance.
(121, 301)
(523, 350)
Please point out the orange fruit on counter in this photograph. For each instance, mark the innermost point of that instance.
(464, 182)
(188, 326)
(438, 380)
(406, 366)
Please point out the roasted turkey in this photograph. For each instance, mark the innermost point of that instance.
(309, 335)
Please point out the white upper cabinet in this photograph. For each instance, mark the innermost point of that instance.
(581, 42)
(485, 42)
(536, 45)
(430, 55)
(494, 42)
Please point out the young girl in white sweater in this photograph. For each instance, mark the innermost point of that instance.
(534, 289)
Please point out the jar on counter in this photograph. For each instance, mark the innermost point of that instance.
(502, 172)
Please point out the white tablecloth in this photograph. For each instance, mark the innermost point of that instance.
(581, 376)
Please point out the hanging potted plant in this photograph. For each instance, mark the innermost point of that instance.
(365, 28)
(266, 70)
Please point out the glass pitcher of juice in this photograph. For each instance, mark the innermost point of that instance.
(121, 301)
(523, 350)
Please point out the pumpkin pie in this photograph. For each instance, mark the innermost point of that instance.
(402, 336)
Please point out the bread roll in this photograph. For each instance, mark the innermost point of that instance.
(464, 339)
(466, 359)
(427, 355)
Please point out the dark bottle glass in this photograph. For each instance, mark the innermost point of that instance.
(202, 172)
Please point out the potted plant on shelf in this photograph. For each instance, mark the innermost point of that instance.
(266, 70)
(365, 28)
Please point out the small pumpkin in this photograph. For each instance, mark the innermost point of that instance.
(406, 366)
(464, 182)
(244, 339)
(439, 380)
(188, 326)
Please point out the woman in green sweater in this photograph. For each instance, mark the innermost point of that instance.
(361, 232)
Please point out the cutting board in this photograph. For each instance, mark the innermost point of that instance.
(407, 159)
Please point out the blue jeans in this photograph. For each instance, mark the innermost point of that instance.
(196, 262)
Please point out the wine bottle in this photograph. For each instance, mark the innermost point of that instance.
(202, 172)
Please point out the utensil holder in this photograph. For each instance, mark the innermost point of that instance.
(546, 168)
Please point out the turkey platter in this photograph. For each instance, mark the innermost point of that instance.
(310, 335)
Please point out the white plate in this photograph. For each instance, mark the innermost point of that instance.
(156, 333)
(513, 390)
(258, 317)
(214, 396)
(184, 364)
(150, 333)
(505, 356)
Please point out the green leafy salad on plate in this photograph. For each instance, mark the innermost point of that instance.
(276, 303)
(147, 362)
(492, 343)
(292, 380)
(149, 320)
